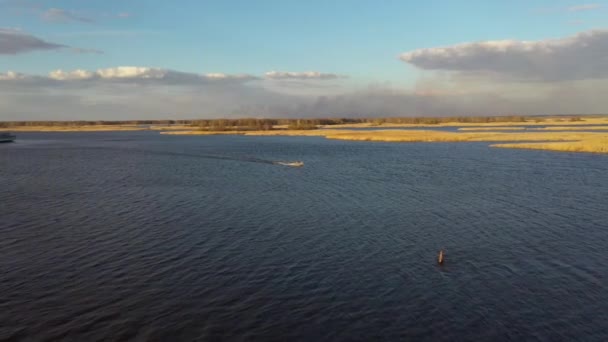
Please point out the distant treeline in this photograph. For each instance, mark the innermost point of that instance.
(262, 124)
(440, 120)
(212, 124)
(269, 124)
(91, 123)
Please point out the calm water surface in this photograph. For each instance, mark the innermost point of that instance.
(139, 236)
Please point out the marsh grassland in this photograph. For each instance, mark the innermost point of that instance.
(570, 141)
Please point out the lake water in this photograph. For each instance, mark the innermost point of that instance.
(141, 236)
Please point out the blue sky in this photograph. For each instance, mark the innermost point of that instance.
(359, 41)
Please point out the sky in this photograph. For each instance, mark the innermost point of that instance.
(145, 59)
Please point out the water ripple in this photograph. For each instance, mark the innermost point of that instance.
(136, 236)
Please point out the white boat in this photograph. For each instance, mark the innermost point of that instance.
(292, 164)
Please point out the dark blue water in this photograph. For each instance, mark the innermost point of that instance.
(141, 236)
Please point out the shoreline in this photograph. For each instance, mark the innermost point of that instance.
(575, 136)
(91, 128)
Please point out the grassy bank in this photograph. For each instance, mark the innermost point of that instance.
(540, 121)
(437, 136)
(497, 128)
(170, 127)
(560, 141)
(572, 128)
(591, 145)
(241, 132)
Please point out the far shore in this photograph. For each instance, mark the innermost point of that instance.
(86, 128)
(232, 126)
(108, 128)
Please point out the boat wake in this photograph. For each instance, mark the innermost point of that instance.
(207, 156)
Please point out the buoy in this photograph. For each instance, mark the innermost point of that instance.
(440, 257)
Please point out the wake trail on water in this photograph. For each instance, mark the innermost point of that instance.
(209, 156)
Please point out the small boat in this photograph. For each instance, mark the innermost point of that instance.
(7, 137)
(440, 257)
(292, 164)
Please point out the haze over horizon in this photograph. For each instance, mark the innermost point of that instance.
(100, 60)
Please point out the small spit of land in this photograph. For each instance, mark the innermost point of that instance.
(492, 128)
(557, 133)
(494, 122)
(572, 128)
(549, 128)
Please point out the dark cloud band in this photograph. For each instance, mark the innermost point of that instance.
(581, 56)
(14, 42)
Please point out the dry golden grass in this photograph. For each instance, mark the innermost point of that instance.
(170, 127)
(571, 128)
(560, 141)
(592, 145)
(556, 141)
(494, 128)
(548, 121)
(201, 132)
(89, 128)
(409, 135)
(265, 133)
(438, 136)
(304, 132)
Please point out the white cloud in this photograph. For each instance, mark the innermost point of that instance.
(11, 76)
(133, 92)
(14, 41)
(229, 77)
(61, 15)
(79, 74)
(305, 75)
(136, 92)
(132, 74)
(582, 56)
(584, 7)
